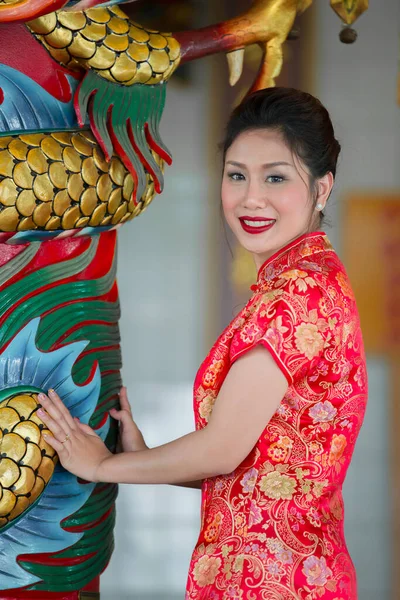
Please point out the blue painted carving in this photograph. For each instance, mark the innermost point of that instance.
(29, 107)
(23, 366)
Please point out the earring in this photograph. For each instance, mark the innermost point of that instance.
(319, 206)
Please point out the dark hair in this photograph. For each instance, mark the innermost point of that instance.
(302, 120)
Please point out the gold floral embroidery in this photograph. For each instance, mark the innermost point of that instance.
(249, 333)
(339, 443)
(233, 593)
(269, 296)
(279, 450)
(314, 517)
(345, 285)
(278, 486)
(238, 565)
(359, 377)
(249, 480)
(319, 487)
(316, 571)
(301, 279)
(336, 508)
(240, 524)
(206, 570)
(206, 406)
(255, 514)
(211, 534)
(275, 334)
(211, 374)
(206, 400)
(309, 340)
(316, 447)
(323, 412)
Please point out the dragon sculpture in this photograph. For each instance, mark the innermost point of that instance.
(82, 91)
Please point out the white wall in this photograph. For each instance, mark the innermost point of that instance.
(357, 83)
(358, 86)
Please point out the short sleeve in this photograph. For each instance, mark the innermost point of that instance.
(290, 325)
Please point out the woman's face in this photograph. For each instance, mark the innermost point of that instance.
(265, 193)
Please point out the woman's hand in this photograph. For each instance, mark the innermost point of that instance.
(81, 451)
(131, 437)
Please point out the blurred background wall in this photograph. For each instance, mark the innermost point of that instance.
(178, 289)
(358, 86)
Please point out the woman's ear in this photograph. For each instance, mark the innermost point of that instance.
(324, 187)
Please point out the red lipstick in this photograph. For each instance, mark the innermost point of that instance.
(256, 225)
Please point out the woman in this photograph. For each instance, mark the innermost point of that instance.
(280, 398)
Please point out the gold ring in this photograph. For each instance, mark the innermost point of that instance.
(66, 438)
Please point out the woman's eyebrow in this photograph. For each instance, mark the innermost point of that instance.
(266, 165)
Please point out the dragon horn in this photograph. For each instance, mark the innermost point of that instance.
(267, 22)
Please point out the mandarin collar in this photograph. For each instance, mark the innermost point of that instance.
(287, 257)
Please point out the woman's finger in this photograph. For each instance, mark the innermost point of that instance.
(117, 414)
(54, 425)
(62, 408)
(58, 446)
(122, 416)
(123, 399)
(52, 411)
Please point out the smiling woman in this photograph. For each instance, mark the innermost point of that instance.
(280, 156)
(280, 397)
(273, 196)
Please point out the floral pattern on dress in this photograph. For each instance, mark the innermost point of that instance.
(273, 529)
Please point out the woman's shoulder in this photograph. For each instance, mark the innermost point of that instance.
(313, 290)
(322, 272)
(308, 262)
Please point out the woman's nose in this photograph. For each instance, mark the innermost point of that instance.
(256, 196)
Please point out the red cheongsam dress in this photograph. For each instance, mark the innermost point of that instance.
(273, 529)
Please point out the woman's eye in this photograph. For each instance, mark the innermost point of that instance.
(275, 179)
(236, 176)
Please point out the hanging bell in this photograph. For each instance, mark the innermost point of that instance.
(348, 35)
(349, 11)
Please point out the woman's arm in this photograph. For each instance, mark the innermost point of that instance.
(131, 438)
(250, 395)
(195, 485)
